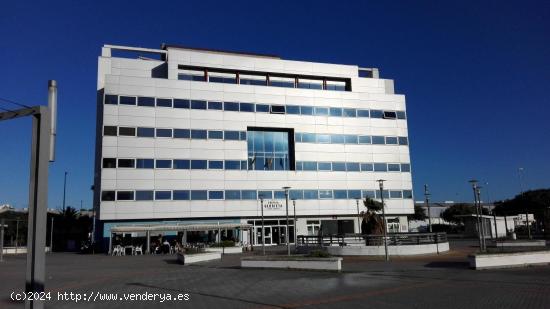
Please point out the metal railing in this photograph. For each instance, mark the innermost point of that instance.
(393, 239)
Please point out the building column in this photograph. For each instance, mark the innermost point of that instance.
(184, 238)
(110, 242)
(148, 241)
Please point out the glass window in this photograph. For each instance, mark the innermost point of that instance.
(389, 115)
(309, 166)
(266, 195)
(181, 195)
(182, 133)
(336, 112)
(299, 166)
(323, 138)
(380, 167)
(401, 115)
(144, 195)
(163, 163)
(352, 167)
(363, 113)
(287, 82)
(242, 135)
(279, 195)
(146, 101)
(146, 132)
(215, 105)
(231, 106)
(181, 164)
(145, 163)
(368, 193)
(164, 132)
(109, 163)
(192, 75)
(125, 195)
(232, 195)
(246, 107)
(310, 83)
(364, 139)
(215, 195)
(378, 140)
(249, 195)
(126, 131)
(293, 109)
(405, 167)
(396, 194)
(385, 192)
(225, 78)
(339, 166)
(367, 167)
(311, 194)
(262, 108)
(376, 114)
(308, 138)
(111, 99)
(232, 165)
(198, 164)
(325, 194)
(268, 150)
(354, 194)
(340, 194)
(394, 167)
(255, 80)
(306, 110)
(126, 163)
(337, 139)
(231, 135)
(215, 165)
(125, 100)
(325, 166)
(164, 102)
(277, 109)
(407, 194)
(391, 140)
(107, 196)
(336, 85)
(350, 112)
(403, 140)
(198, 134)
(163, 195)
(244, 165)
(321, 111)
(180, 103)
(199, 195)
(298, 137)
(215, 134)
(350, 139)
(198, 104)
(296, 194)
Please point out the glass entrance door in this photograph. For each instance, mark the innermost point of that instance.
(267, 235)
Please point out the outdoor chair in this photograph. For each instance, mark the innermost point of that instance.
(139, 250)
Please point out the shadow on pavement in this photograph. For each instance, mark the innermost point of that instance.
(448, 264)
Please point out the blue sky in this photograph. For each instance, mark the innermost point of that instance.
(475, 74)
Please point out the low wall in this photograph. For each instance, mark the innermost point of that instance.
(19, 250)
(226, 250)
(392, 250)
(331, 264)
(506, 260)
(198, 257)
(520, 243)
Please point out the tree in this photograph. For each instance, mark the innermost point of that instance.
(372, 222)
(451, 214)
(419, 214)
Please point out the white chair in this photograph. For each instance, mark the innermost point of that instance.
(138, 250)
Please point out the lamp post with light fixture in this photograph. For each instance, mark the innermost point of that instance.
(286, 233)
(381, 183)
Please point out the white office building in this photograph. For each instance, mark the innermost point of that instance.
(196, 136)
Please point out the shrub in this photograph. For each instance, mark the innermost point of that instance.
(318, 253)
(224, 243)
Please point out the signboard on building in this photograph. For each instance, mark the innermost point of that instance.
(273, 204)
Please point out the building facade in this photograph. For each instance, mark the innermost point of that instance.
(189, 135)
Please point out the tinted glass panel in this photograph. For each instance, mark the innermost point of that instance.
(215, 134)
(231, 135)
(126, 163)
(180, 103)
(163, 195)
(403, 140)
(248, 194)
(306, 110)
(309, 138)
(199, 195)
(380, 167)
(376, 114)
(401, 115)
(181, 164)
(126, 131)
(232, 194)
(363, 113)
(144, 195)
(146, 132)
(125, 195)
(293, 110)
(145, 163)
(198, 134)
(163, 163)
(325, 166)
(340, 194)
(164, 102)
(309, 166)
(196, 104)
(405, 167)
(182, 133)
(311, 194)
(378, 140)
(215, 165)
(164, 132)
(277, 109)
(321, 111)
(337, 139)
(368, 193)
(246, 107)
(350, 112)
(254, 82)
(352, 167)
(262, 108)
(350, 139)
(396, 194)
(198, 164)
(367, 167)
(215, 195)
(124, 100)
(323, 138)
(407, 194)
(232, 165)
(336, 112)
(266, 195)
(325, 194)
(394, 167)
(278, 195)
(391, 140)
(215, 105)
(181, 195)
(231, 106)
(224, 79)
(146, 101)
(280, 83)
(339, 166)
(296, 194)
(355, 194)
(108, 195)
(390, 115)
(364, 139)
(111, 99)
(109, 163)
(242, 136)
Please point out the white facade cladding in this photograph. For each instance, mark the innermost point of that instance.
(202, 135)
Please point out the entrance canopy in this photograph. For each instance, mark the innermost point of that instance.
(178, 227)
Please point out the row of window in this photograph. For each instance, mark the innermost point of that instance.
(236, 77)
(186, 195)
(250, 165)
(241, 135)
(253, 107)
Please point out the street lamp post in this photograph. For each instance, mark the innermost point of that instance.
(381, 183)
(286, 233)
(494, 213)
(295, 224)
(483, 231)
(358, 216)
(427, 199)
(263, 235)
(520, 172)
(474, 188)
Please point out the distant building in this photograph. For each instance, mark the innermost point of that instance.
(436, 208)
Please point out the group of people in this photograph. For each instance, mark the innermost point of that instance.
(161, 246)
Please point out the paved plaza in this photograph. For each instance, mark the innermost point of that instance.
(441, 281)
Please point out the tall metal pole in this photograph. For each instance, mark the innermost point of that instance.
(263, 229)
(2, 239)
(64, 190)
(520, 170)
(494, 213)
(51, 235)
(381, 182)
(427, 200)
(483, 232)
(358, 216)
(295, 224)
(286, 233)
(474, 188)
(16, 236)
